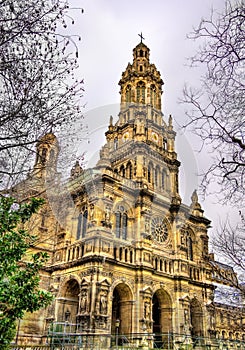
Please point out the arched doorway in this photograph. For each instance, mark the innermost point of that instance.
(162, 319)
(121, 321)
(196, 320)
(68, 302)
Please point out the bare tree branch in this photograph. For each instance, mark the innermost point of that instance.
(39, 92)
(216, 110)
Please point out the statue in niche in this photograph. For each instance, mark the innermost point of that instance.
(76, 170)
(183, 238)
(148, 234)
(97, 307)
(107, 222)
(147, 227)
(107, 214)
(147, 310)
(140, 127)
(83, 304)
(91, 212)
(103, 303)
(211, 320)
(186, 316)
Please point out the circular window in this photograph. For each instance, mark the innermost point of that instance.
(159, 229)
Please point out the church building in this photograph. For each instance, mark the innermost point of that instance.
(129, 262)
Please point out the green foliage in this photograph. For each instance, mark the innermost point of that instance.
(19, 280)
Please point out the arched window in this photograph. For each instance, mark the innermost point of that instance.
(51, 156)
(150, 173)
(189, 248)
(122, 171)
(129, 170)
(44, 155)
(153, 96)
(177, 182)
(118, 224)
(115, 144)
(131, 256)
(121, 223)
(82, 223)
(163, 179)
(157, 171)
(85, 219)
(124, 225)
(140, 92)
(128, 93)
(79, 225)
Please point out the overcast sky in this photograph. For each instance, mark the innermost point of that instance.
(109, 31)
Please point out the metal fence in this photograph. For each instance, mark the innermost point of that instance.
(141, 341)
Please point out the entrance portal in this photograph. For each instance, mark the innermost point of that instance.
(196, 320)
(68, 302)
(121, 323)
(162, 319)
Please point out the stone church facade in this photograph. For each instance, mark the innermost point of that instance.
(128, 258)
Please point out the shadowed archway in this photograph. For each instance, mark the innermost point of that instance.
(196, 318)
(162, 318)
(67, 303)
(122, 309)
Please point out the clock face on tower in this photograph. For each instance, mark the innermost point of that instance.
(159, 229)
(154, 137)
(125, 136)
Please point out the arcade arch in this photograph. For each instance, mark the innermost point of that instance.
(196, 318)
(161, 316)
(122, 303)
(67, 303)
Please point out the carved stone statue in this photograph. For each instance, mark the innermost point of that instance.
(103, 303)
(91, 212)
(83, 304)
(147, 310)
(194, 200)
(107, 214)
(97, 307)
(76, 170)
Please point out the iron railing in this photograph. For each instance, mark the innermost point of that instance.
(141, 341)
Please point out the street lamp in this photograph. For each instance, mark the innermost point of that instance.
(117, 324)
(67, 316)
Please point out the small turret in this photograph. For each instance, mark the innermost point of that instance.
(47, 151)
(76, 170)
(195, 205)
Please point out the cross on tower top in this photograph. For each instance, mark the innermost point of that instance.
(141, 37)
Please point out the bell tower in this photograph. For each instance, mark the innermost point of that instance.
(47, 151)
(140, 145)
(141, 82)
